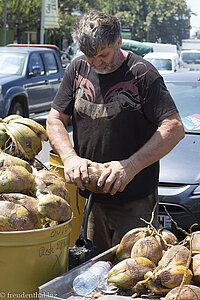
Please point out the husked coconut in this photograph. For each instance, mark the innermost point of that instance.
(94, 172)
(188, 292)
(176, 255)
(129, 271)
(163, 280)
(148, 247)
(127, 242)
(196, 268)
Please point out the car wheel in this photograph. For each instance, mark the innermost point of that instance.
(16, 109)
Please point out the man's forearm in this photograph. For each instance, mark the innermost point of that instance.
(75, 167)
(59, 139)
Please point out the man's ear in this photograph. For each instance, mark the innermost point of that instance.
(120, 41)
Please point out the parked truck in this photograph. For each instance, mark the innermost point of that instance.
(158, 47)
(190, 44)
(165, 62)
(29, 79)
(190, 55)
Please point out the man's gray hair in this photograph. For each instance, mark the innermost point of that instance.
(95, 31)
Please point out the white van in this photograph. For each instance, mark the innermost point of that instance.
(157, 47)
(165, 62)
(190, 59)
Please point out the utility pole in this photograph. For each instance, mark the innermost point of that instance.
(5, 22)
(42, 25)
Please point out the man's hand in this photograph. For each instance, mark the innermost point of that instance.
(116, 176)
(75, 169)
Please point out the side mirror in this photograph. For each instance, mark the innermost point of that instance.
(35, 71)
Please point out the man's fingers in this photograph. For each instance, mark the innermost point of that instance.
(103, 177)
(111, 184)
(77, 179)
(80, 184)
(122, 187)
(67, 178)
(116, 185)
(84, 174)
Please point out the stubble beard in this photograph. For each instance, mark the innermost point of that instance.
(113, 65)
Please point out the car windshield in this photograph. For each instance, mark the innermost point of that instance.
(193, 58)
(161, 64)
(187, 98)
(11, 63)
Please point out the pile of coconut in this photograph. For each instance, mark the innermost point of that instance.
(153, 262)
(31, 196)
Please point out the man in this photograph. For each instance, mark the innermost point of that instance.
(123, 116)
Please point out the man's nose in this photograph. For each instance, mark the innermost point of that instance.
(97, 62)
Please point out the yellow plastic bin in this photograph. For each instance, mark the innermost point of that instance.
(57, 166)
(31, 258)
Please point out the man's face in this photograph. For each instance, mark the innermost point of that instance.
(107, 60)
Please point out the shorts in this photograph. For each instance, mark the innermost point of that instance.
(107, 223)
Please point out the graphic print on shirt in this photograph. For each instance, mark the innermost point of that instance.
(123, 95)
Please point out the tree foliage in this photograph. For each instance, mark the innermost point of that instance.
(22, 16)
(169, 19)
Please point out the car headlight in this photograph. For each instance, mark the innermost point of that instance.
(197, 191)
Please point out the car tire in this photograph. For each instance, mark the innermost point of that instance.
(16, 109)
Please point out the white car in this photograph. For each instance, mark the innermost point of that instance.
(165, 62)
(190, 59)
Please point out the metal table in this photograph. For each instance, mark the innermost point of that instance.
(60, 288)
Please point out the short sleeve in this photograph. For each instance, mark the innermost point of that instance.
(158, 103)
(64, 100)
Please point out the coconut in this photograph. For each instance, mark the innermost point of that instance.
(21, 136)
(4, 137)
(196, 242)
(26, 142)
(15, 179)
(7, 160)
(47, 182)
(163, 280)
(94, 172)
(33, 125)
(148, 247)
(188, 292)
(168, 238)
(127, 242)
(128, 272)
(30, 203)
(54, 207)
(196, 268)
(14, 217)
(176, 255)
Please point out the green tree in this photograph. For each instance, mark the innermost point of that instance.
(169, 19)
(22, 16)
(68, 11)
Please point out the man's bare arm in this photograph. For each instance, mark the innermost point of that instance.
(75, 167)
(120, 173)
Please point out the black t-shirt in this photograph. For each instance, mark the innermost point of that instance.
(115, 114)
